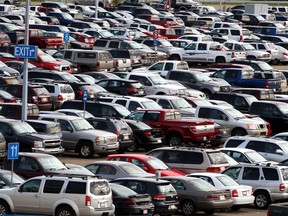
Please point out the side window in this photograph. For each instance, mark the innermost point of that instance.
(204, 113)
(158, 66)
(272, 148)
(31, 186)
(229, 46)
(138, 163)
(235, 32)
(270, 110)
(178, 184)
(251, 173)
(103, 83)
(121, 102)
(165, 104)
(207, 179)
(53, 186)
(191, 47)
(216, 114)
(68, 55)
(173, 157)
(105, 169)
(151, 117)
(238, 47)
(202, 46)
(76, 188)
(270, 174)
(240, 102)
(114, 44)
(137, 116)
(233, 172)
(5, 129)
(261, 47)
(138, 187)
(168, 66)
(192, 157)
(230, 74)
(114, 84)
(64, 125)
(256, 145)
(27, 163)
(133, 106)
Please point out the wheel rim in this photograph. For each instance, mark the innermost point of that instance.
(188, 208)
(3, 210)
(65, 213)
(174, 141)
(132, 148)
(85, 150)
(261, 200)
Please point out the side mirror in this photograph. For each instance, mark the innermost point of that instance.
(69, 128)
(279, 151)
(138, 108)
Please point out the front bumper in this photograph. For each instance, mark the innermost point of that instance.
(104, 148)
(257, 132)
(52, 151)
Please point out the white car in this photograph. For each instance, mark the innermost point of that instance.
(240, 194)
(282, 55)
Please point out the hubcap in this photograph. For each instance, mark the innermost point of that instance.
(188, 208)
(261, 200)
(132, 148)
(85, 150)
(3, 210)
(64, 213)
(174, 141)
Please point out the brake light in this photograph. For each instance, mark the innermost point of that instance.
(129, 202)
(80, 93)
(147, 133)
(60, 97)
(132, 90)
(235, 193)
(159, 197)
(217, 131)
(10, 101)
(268, 212)
(266, 84)
(117, 63)
(212, 196)
(213, 169)
(282, 187)
(118, 135)
(97, 65)
(87, 201)
(285, 54)
(233, 54)
(241, 37)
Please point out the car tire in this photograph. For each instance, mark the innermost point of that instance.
(239, 132)
(86, 150)
(133, 147)
(4, 208)
(174, 140)
(65, 211)
(188, 208)
(209, 212)
(220, 59)
(262, 200)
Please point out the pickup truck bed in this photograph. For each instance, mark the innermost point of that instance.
(279, 209)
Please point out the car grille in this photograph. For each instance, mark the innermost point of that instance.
(225, 89)
(111, 140)
(266, 55)
(52, 143)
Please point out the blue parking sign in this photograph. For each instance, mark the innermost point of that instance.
(85, 96)
(13, 151)
(66, 36)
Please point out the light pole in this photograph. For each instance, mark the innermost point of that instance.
(96, 8)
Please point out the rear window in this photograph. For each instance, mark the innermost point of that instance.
(55, 129)
(99, 188)
(40, 90)
(103, 56)
(284, 172)
(66, 89)
(233, 143)
(201, 185)
(139, 125)
(166, 189)
(182, 66)
(86, 55)
(216, 158)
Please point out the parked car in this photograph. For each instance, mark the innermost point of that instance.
(117, 169)
(46, 127)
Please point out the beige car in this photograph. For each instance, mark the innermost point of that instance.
(55, 195)
(88, 60)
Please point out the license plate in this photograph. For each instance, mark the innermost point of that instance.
(172, 207)
(145, 211)
(125, 137)
(244, 193)
(44, 99)
(159, 141)
(222, 197)
(102, 205)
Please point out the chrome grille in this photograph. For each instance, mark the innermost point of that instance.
(225, 88)
(52, 143)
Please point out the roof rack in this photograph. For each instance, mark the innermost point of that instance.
(70, 176)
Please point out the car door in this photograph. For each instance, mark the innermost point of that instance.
(69, 135)
(26, 198)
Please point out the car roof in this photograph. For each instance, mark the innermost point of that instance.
(208, 174)
(152, 180)
(110, 163)
(168, 97)
(243, 150)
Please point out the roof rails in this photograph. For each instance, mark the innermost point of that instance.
(70, 176)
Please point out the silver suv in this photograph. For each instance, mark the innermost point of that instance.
(269, 182)
(58, 195)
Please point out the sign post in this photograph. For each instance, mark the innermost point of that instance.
(84, 99)
(155, 37)
(66, 37)
(25, 52)
(13, 153)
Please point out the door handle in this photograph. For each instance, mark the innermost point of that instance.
(36, 196)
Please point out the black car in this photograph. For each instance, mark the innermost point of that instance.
(122, 87)
(164, 195)
(118, 127)
(144, 136)
(128, 202)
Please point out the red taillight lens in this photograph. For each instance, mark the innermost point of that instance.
(235, 193)
(10, 101)
(87, 201)
(147, 133)
(159, 197)
(241, 37)
(217, 131)
(213, 169)
(117, 63)
(233, 54)
(129, 202)
(97, 65)
(282, 187)
(266, 84)
(285, 54)
(132, 90)
(213, 196)
(80, 93)
(60, 97)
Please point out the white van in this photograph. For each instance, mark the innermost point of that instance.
(234, 33)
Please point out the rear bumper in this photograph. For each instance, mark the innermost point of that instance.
(245, 200)
(126, 144)
(278, 196)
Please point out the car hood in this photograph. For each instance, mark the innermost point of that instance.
(251, 121)
(218, 82)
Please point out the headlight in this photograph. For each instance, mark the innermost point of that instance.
(99, 139)
(252, 126)
(56, 67)
(216, 88)
(38, 144)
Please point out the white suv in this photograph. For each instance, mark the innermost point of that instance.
(269, 182)
(59, 195)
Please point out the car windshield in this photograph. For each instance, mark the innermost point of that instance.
(81, 124)
(265, 66)
(99, 188)
(51, 163)
(283, 108)
(23, 128)
(132, 169)
(135, 45)
(87, 114)
(180, 103)
(157, 164)
(106, 34)
(67, 16)
(255, 157)
(201, 185)
(122, 191)
(202, 77)
(157, 80)
(122, 110)
(150, 105)
(216, 158)
(47, 58)
(248, 47)
(227, 181)
(6, 178)
(166, 189)
(41, 90)
(235, 114)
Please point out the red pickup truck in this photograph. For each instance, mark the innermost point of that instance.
(176, 130)
(38, 38)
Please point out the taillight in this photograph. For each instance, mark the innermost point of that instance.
(129, 202)
(11, 101)
(80, 93)
(117, 63)
(233, 54)
(87, 201)
(241, 37)
(118, 135)
(282, 187)
(60, 97)
(213, 196)
(217, 131)
(213, 169)
(235, 193)
(285, 54)
(132, 90)
(147, 133)
(97, 65)
(159, 197)
(266, 84)
(268, 212)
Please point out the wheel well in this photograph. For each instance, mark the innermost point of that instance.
(262, 190)
(173, 133)
(251, 56)
(175, 55)
(238, 128)
(63, 205)
(4, 201)
(160, 93)
(82, 142)
(220, 57)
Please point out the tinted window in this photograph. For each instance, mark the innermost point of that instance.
(100, 43)
(251, 173)
(256, 145)
(53, 186)
(76, 188)
(86, 55)
(270, 174)
(233, 143)
(31, 186)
